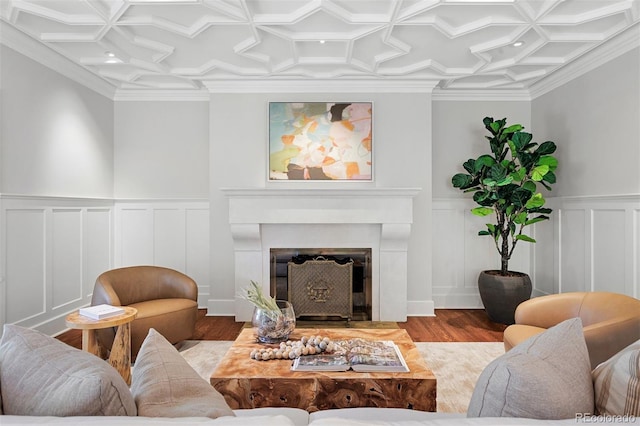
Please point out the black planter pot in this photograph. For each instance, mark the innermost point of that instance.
(501, 295)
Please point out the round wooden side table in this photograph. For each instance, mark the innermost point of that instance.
(120, 356)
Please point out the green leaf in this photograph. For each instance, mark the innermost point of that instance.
(469, 165)
(520, 218)
(462, 181)
(483, 161)
(519, 174)
(484, 198)
(535, 220)
(482, 211)
(538, 172)
(513, 128)
(506, 181)
(492, 228)
(549, 160)
(483, 233)
(526, 238)
(497, 172)
(547, 147)
(520, 196)
(529, 186)
(489, 182)
(550, 177)
(542, 210)
(535, 201)
(521, 139)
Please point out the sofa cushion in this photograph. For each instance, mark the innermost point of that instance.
(617, 383)
(165, 385)
(42, 376)
(547, 376)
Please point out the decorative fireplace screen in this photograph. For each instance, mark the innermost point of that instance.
(321, 287)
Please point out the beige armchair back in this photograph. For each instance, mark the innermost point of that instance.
(610, 321)
(166, 300)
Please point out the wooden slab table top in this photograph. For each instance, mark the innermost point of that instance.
(247, 383)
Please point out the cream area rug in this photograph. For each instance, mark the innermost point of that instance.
(455, 365)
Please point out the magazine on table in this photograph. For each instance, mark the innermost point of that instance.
(101, 311)
(359, 355)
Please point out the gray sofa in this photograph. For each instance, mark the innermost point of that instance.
(44, 381)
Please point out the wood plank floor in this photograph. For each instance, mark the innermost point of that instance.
(448, 325)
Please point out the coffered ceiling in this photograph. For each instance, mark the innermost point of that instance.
(190, 44)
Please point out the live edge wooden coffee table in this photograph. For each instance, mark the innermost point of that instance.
(247, 383)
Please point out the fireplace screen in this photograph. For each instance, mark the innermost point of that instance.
(321, 287)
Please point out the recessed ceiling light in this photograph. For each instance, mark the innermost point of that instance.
(110, 54)
(518, 43)
(322, 41)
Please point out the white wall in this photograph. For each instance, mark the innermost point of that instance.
(402, 158)
(161, 150)
(57, 135)
(594, 120)
(56, 224)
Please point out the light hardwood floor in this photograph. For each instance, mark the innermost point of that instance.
(448, 325)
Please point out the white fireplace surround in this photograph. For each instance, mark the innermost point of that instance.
(378, 218)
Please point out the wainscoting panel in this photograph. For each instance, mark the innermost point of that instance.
(574, 264)
(590, 244)
(459, 254)
(609, 262)
(97, 247)
(173, 234)
(25, 264)
(66, 257)
(53, 248)
(600, 244)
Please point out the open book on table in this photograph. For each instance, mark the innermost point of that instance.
(359, 355)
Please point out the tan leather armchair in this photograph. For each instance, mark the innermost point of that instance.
(610, 321)
(165, 299)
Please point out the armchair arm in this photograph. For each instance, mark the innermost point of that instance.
(607, 338)
(103, 292)
(547, 311)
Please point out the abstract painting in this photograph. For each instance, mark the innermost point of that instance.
(320, 141)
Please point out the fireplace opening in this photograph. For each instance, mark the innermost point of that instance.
(323, 284)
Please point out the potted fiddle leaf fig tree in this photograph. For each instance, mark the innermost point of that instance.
(505, 185)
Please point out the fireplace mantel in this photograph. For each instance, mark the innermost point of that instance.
(377, 218)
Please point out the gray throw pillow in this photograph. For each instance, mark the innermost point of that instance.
(545, 377)
(617, 383)
(42, 376)
(165, 385)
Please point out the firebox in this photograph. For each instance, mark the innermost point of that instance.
(324, 284)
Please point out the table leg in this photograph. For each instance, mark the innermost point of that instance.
(120, 357)
(90, 342)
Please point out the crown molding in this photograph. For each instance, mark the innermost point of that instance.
(481, 95)
(27, 46)
(124, 95)
(621, 44)
(321, 85)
